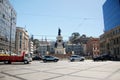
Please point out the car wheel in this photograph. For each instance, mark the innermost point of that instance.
(72, 60)
(55, 60)
(82, 60)
(44, 61)
(26, 62)
(6, 62)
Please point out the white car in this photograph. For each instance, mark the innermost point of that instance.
(76, 58)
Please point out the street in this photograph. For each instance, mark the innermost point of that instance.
(61, 70)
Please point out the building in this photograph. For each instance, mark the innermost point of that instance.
(22, 40)
(83, 39)
(43, 48)
(110, 40)
(7, 26)
(31, 46)
(93, 47)
(111, 14)
(74, 49)
(51, 47)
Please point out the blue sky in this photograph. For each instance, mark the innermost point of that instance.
(42, 18)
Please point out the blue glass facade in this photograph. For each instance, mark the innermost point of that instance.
(111, 14)
(7, 25)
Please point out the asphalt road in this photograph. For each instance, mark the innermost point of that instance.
(62, 70)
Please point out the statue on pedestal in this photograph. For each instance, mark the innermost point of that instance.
(59, 45)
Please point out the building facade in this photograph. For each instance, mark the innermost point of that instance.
(22, 40)
(110, 40)
(74, 49)
(51, 47)
(93, 47)
(43, 48)
(31, 46)
(7, 26)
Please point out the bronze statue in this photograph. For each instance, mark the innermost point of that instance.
(59, 31)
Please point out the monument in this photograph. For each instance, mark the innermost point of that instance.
(59, 45)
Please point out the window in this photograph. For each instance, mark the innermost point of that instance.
(4, 16)
(1, 1)
(20, 35)
(117, 40)
(20, 45)
(119, 2)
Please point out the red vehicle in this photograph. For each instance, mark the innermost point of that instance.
(15, 58)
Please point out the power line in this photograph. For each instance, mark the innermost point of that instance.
(50, 35)
(56, 16)
(82, 22)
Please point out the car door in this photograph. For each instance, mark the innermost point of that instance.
(77, 58)
(48, 58)
(51, 58)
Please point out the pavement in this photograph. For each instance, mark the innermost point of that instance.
(62, 70)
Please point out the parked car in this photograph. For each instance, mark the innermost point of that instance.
(76, 58)
(103, 57)
(50, 58)
(36, 58)
(97, 58)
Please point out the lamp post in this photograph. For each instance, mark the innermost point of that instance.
(72, 49)
(10, 46)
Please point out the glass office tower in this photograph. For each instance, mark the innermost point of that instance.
(111, 13)
(7, 25)
(110, 40)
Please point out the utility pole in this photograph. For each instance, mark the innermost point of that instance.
(10, 46)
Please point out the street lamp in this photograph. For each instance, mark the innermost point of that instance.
(10, 48)
(72, 49)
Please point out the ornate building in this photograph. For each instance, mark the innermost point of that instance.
(22, 40)
(93, 47)
(110, 42)
(43, 48)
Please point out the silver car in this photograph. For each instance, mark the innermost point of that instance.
(76, 58)
(50, 58)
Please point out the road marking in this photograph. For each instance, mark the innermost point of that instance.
(13, 76)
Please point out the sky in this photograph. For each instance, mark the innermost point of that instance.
(42, 18)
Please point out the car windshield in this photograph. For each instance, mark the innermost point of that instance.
(75, 56)
(48, 56)
(27, 55)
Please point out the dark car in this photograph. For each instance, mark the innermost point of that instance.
(103, 57)
(76, 58)
(50, 58)
(36, 58)
(98, 58)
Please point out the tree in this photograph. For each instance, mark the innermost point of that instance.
(75, 34)
(73, 38)
(83, 36)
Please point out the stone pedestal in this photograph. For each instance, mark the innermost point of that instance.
(59, 49)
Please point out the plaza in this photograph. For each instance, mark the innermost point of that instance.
(61, 70)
